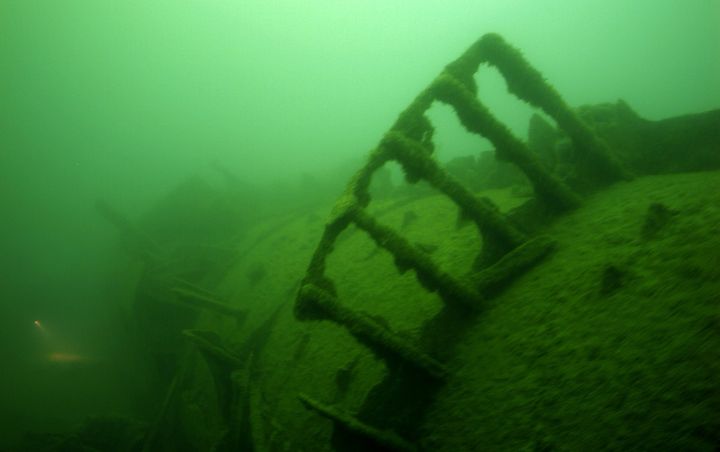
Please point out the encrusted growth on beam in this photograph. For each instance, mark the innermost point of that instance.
(478, 119)
(221, 362)
(317, 304)
(506, 252)
(407, 256)
(378, 439)
(209, 345)
(202, 300)
(418, 163)
(528, 84)
(492, 279)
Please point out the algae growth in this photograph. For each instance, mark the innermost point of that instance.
(559, 292)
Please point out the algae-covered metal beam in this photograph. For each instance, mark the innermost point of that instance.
(198, 299)
(478, 119)
(221, 362)
(314, 303)
(506, 252)
(231, 377)
(209, 344)
(376, 438)
(407, 256)
(159, 432)
(494, 278)
(416, 161)
(525, 82)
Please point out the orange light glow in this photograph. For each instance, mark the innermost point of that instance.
(40, 327)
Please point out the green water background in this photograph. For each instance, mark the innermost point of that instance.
(121, 100)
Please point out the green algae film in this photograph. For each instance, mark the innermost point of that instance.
(220, 133)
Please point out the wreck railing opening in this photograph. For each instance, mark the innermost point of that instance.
(506, 251)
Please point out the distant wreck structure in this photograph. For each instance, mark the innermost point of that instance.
(557, 316)
(646, 147)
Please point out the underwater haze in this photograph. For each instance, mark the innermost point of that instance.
(122, 101)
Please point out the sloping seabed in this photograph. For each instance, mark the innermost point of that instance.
(612, 343)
